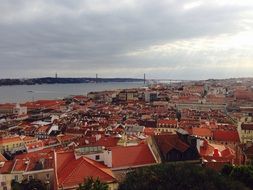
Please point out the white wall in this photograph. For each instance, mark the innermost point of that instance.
(105, 156)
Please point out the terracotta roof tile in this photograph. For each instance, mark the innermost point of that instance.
(76, 170)
(20, 165)
(231, 136)
(107, 141)
(201, 132)
(131, 156)
(167, 122)
(167, 142)
(149, 131)
(2, 158)
(7, 167)
(228, 153)
(10, 139)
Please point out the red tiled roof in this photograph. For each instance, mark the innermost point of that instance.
(34, 145)
(10, 139)
(20, 165)
(228, 153)
(37, 154)
(206, 150)
(131, 156)
(168, 142)
(7, 106)
(44, 103)
(230, 136)
(47, 163)
(149, 131)
(202, 132)
(7, 167)
(107, 141)
(2, 158)
(43, 129)
(167, 122)
(66, 138)
(28, 138)
(63, 158)
(216, 152)
(76, 170)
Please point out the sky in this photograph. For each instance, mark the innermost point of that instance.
(166, 39)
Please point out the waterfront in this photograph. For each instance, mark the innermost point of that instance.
(23, 93)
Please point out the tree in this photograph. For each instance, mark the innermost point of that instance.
(91, 184)
(33, 184)
(243, 174)
(178, 177)
(28, 185)
(227, 169)
(178, 115)
(16, 185)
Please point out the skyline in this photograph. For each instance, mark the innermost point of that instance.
(166, 39)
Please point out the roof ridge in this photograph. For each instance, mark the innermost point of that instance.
(74, 169)
(89, 161)
(14, 165)
(66, 161)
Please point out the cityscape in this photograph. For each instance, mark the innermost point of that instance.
(107, 134)
(126, 95)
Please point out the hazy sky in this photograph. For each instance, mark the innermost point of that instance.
(178, 39)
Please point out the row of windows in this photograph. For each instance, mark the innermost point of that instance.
(165, 130)
(166, 125)
(247, 131)
(7, 147)
(30, 177)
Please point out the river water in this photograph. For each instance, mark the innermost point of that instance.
(24, 93)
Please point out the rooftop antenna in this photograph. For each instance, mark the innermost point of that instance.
(144, 79)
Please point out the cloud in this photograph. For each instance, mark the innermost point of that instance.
(125, 38)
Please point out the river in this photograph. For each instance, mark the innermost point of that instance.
(24, 93)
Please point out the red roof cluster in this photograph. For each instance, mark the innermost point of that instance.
(131, 156)
(71, 171)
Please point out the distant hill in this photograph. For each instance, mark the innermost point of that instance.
(50, 80)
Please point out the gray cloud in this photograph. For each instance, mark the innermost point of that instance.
(80, 38)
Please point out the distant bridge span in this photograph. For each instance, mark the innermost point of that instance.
(167, 80)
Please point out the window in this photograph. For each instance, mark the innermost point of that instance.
(30, 177)
(97, 157)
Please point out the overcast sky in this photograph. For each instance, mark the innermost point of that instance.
(176, 39)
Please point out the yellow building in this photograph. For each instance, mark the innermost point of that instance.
(166, 126)
(12, 144)
(246, 132)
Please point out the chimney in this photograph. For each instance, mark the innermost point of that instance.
(42, 161)
(216, 153)
(108, 158)
(98, 136)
